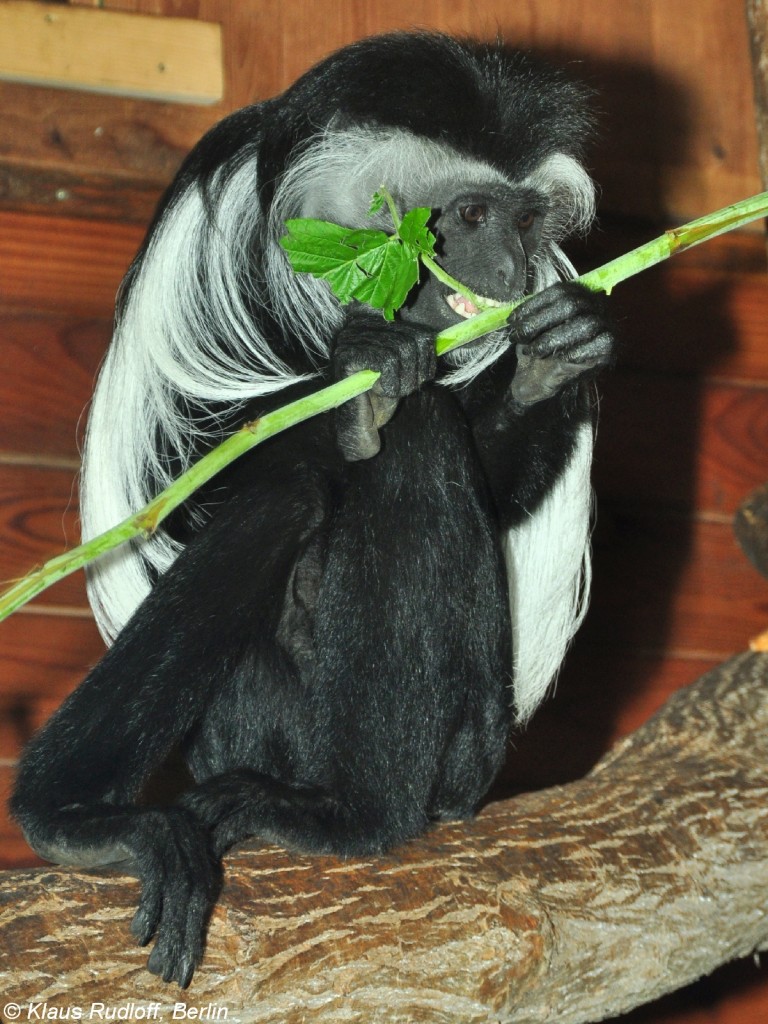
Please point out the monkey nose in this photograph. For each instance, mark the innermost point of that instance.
(509, 282)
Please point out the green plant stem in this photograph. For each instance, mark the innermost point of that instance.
(146, 521)
(445, 278)
(386, 195)
(432, 266)
(605, 278)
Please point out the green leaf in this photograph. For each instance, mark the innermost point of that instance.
(377, 203)
(392, 276)
(362, 263)
(413, 230)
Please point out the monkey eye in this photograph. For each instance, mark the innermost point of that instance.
(526, 220)
(474, 213)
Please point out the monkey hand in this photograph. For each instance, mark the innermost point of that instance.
(180, 883)
(404, 355)
(561, 335)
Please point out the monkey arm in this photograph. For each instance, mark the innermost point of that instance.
(526, 409)
(404, 355)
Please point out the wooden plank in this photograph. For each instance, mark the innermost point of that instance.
(57, 191)
(680, 442)
(174, 8)
(173, 59)
(21, 715)
(38, 519)
(93, 155)
(676, 91)
(88, 134)
(14, 852)
(48, 363)
(684, 318)
(42, 659)
(674, 585)
(67, 265)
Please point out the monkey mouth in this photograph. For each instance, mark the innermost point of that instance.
(465, 308)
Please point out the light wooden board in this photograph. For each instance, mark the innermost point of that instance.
(174, 59)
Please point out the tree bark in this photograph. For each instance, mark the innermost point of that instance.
(572, 904)
(757, 22)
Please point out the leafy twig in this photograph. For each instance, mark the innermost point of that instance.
(366, 262)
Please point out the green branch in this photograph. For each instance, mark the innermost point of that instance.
(147, 520)
(605, 278)
(143, 524)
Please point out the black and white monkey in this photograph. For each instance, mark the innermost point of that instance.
(340, 630)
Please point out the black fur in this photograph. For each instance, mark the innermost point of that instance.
(332, 650)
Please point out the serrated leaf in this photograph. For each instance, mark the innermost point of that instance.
(414, 231)
(362, 263)
(390, 279)
(314, 246)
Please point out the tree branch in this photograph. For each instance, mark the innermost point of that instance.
(574, 904)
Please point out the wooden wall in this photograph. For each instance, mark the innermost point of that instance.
(684, 418)
(674, 80)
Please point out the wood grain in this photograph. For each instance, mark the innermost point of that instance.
(541, 902)
(671, 583)
(26, 189)
(675, 86)
(70, 266)
(683, 443)
(173, 59)
(38, 520)
(44, 656)
(14, 852)
(686, 318)
(48, 364)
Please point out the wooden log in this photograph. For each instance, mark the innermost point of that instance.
(751, 528)
(575, 903)
(757, 21)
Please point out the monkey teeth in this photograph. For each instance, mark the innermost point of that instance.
(465, 307)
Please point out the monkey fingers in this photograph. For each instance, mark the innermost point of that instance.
(180, 883)
(560, 319)
(403, 355)
(536, 379)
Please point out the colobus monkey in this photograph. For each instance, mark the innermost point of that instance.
(339, 631)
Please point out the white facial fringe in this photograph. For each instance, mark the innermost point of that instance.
(166, 354)
(187, 296)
